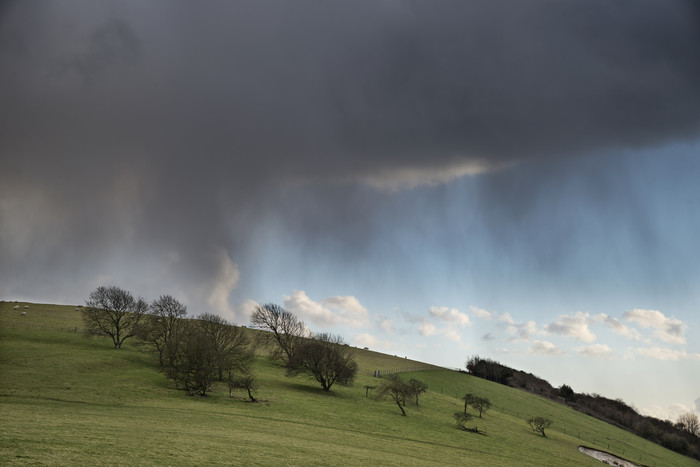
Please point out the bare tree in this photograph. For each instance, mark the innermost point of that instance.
(690, 423)
(163, 326)
(539, 424)
(326, 358)
(468, 399)
(287, 331)
(481, 404)
(419, 387)
(397, 389)
(114, 312)
(246, 382)
(462, 418)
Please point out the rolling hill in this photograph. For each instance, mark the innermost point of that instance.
(67, 399)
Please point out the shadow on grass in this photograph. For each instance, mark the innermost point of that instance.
(311, 387)
(308, 387)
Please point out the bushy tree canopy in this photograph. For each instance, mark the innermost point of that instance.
(326, 358)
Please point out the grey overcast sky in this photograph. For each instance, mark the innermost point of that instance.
(437, 179)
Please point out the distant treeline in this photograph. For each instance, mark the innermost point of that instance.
(616, 412)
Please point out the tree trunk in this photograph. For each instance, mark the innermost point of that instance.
(403, 412)
(252, 399)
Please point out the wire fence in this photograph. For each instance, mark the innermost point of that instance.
(394, 371)
(39, 327)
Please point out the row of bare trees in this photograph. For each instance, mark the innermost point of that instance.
(195, 352)
(192, 352)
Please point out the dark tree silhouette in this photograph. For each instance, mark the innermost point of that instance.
(462, 418)
(163, 326)
(488, 369)
(196, 361)
(397, 389)
(566, 392)
(246, 382)
(209, 349)
(419, 387)
(689, 422)
(481, 404)
(288, 332)
(230, 344)
(326, 358)
(468, 399)
(539, 424)
(113, 312)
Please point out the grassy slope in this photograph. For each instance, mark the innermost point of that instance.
(67, 399)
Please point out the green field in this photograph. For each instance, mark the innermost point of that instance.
(71, 400)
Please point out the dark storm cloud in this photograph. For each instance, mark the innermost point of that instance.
(160, 127)
(113, 42)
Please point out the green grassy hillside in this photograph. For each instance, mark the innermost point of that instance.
(71, 400)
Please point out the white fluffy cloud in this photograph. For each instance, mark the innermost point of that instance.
(660, 353)
(369, 341)
(575, 326)
(595, 351)
(671, 413)
(522, 331)
(427, 329)
(618, 327)
(451, 334)
(483, 314)
(245, 309)
(328, 312)
(450, 315)
(446, 333)
(545, 348)
(666, 329)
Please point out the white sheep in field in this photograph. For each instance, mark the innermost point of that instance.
(16, 307)
(26, 306)
(24, 313)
